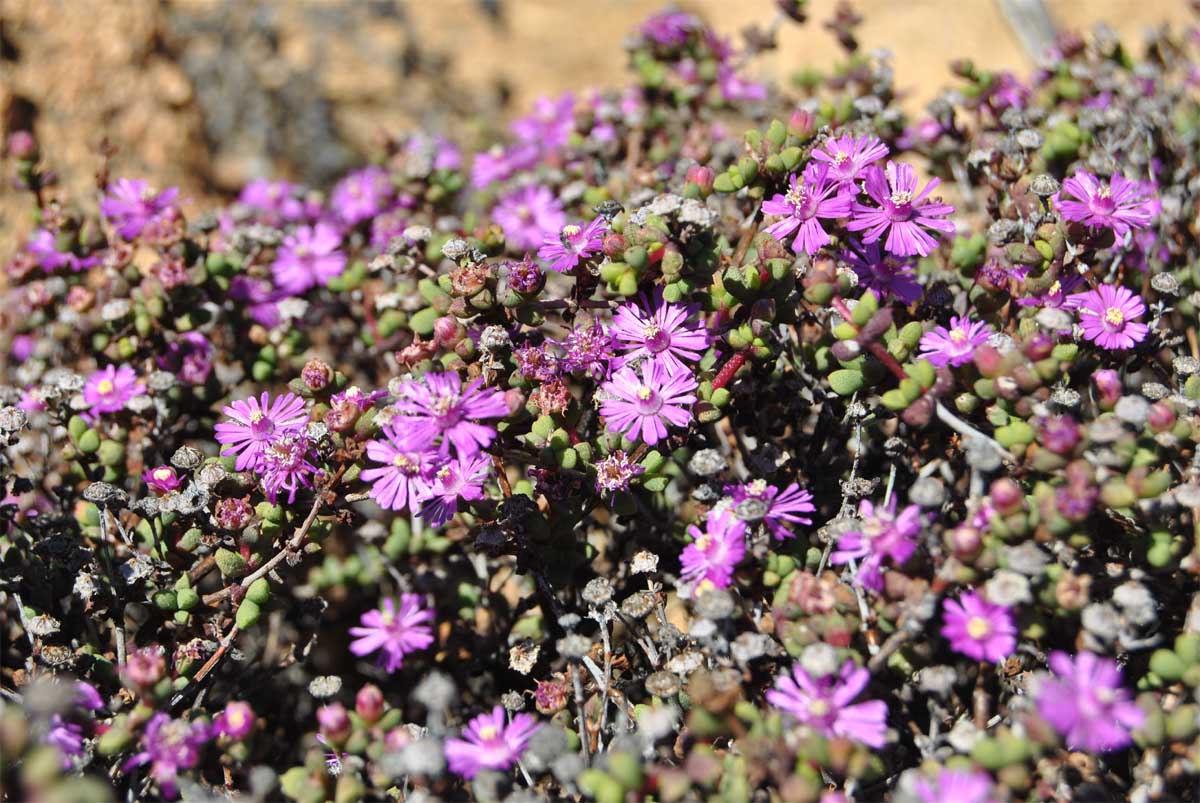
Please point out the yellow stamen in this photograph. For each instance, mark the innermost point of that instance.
(105, 386)
(644, 393)
(978, 627)
(1114, 316)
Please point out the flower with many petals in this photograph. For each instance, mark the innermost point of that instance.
(715, 551)
(954, 346)
(812, 196)
(1120, 205)
(902, 213)
(1086, 703)
(404, 479)
(641, 407)
(660, 331)
(455, 480)
(490, 743)
(393, 631)
(309, 256)
(881, 535)
(825, 704)
(109, 389)
(528, 215)
(436, 410)
(979, 629)
(848, 158)
(255, 423)
(565, 249)
(1108, 316)
(783, 506)
(131, 206)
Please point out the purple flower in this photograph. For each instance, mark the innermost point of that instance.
(903, 214)
(275, 202)
(361, 195)
(67, 737)
(404, 480)
(309, 256)
(525, 277)
(735, 88)
(639, 407)
(489, 743)
(848, 158)
(808, 200)
(497, 163)
(44, 247)
(536, 362)
(255, 423)
(1107, 315)
(960, 786)
(169, 745)
(437, 406)
(823, 704)
(783, 506)
(884, 274)
(236, 721)
(588, 349)
(189, 358)
(286, 465)
(954, 346)
(670, 28)
(573, 243)
(528, 216)
(881, 535)
(108, 390)
(1086, 703)
(392, 632)
(709, 561)
(355, 395)
(259, 297)
(549, 125)
(458, 479)
(660, 331)
(130, 206)
(439, 152)
(978, 629)
(162, 479)
(1056, 295)
(1120, 205)
(615, 472)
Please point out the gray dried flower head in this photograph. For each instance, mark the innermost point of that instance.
(1003, 231)
(324, 686)
(644, 562)
(819, 660)
(574, 646)
(569, 621)
(1165, 283)
(638, 604)
(982, 455)
(598, 591)
(12, 419)
(1102, 621)
(707, 462)
(705, 493)
(423, 757)
(57, 656)
(85, 586)
(567, 768)
(1155, 391)
(1026, 558)
(750, 646)
(702, 629)
(1185, 366)
(522, 657)
(137, 568)
(663, 684)
(436, 692)
(456, 248)
(1008, 588)
(192, 500)
(42, 625)
(211, 474)
(927, 492)
(685, 662)
(937, 680)
(1053, 320)
(512, 701)
(1029, 138)
(1133, 410)
(116, 309)
(161, 381)
(494, 337)
(105, 495)
(187, 458)
(547, 744)
(715, 604)
(1136, 602)
(418, 234)
(751, 509)
(65, 380)
(1066, 398)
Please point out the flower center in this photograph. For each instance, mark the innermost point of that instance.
(958, 336)
(648, 402)
(105, 387)
(571, 230)
(818, 708)
(1056, 288)
(523, 212)
(162, 474)
(488, 732)
(840, 158)
(703, 542)
(402, 462)
(756, 488)
(1114, 316)
(978, 627)
(657, 339)
(901, 197)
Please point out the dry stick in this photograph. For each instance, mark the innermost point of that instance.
(208, 667)
(582, 723)
(294, 544)
(118, 613)
(502, 475)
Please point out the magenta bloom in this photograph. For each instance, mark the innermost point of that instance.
(783, 506)
(643, 407)
(979, 629)
(256, 423)
(734, 88)
(709, 561)
(393, 633)
(1086, 703)
(162, 479)
(458, 479)
(670, 28)
(497, 163)
(275, 202)
(130, 206)
(848, 158)
(615, 472)
(550, 124)
(588, 349)
(108, 389)
(1120, 205)
(813, 197)
(489, 743)
(168, 746)
(960, 786)
(404, 481)
(1056, 296)
(903, 214)
(954, 346)
(309, 256)
(189, 358)
(1108, 316)
(361, 195)
(881, 536)
(824, 704)
(43, 246)
(660, 331)
(437, 406)
(884, 274)
(528, 216)
(286, 465)
(564, 250)
(236, 721)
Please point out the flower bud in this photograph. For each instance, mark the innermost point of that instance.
(703, 178)
(987, 360)
(22, 146)
(802, 123)
(1059, 434)
(1162, 416)
(333, 722)
(316, 374)
(1108, 387)
(1039, 346)
(236, 721)
(614, 245)
(342, 417)
(965, 542)
(1006, 496)
(447, 331)
(368, 703)
(144, 667)
(162, 479)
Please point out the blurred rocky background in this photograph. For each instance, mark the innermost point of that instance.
(207, 94)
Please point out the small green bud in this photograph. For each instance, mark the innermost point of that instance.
(247, 614)
(230, 563)
(259, 591)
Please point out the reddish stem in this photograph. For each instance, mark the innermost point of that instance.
(875, 347)
(730, 368)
